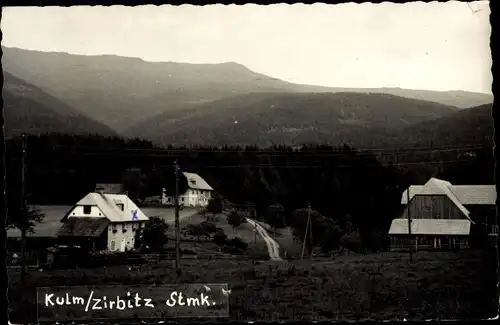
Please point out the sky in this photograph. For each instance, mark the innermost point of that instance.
(417, 45)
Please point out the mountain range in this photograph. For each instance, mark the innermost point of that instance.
(208, 104)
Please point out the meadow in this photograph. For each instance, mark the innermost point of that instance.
(438, 285)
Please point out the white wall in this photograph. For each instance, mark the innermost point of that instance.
(94, 212)
(191, 198)
(116, 239)
(197, 198)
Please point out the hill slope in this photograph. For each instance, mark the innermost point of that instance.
(472, 126)
(27, 109)
(289, 118)
(123, 91)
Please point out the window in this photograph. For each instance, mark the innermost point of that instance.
(87, 209)
(120, 206)
(112, 245)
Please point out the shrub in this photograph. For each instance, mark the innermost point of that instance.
(235, 219)
(202, 229)
(238, 243)
(154, 235)
(220, 238)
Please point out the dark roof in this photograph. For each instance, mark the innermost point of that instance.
(83, 227)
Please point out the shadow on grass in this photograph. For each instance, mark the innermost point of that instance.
(458, 285)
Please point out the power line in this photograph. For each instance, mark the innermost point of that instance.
(177, 224)
(269, 166)
(285, 154)
(303, 150)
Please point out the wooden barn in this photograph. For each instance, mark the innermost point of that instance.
(445, 216)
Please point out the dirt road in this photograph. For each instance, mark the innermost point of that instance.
(272, 246)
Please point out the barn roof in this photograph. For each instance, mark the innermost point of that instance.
(83, 227)
(107, 204)
(465, 194)
(430, 227)
(195, 181)
(475, 194)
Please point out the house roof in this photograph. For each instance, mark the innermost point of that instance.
(107, 204)
(465, 194)
(196, 182)
(83, 227)
(430, 227)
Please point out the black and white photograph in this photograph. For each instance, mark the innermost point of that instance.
(283, 162)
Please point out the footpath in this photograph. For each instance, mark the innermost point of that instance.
(272, 246)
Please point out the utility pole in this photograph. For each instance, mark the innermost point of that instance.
(409, 220)
(23, 222)
(255, 234)
(305, 235)
(310, 229)
(177, 227)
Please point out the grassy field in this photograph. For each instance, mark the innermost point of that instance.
(379, 286)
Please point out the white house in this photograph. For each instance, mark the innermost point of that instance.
(108, 221)
(198, 192)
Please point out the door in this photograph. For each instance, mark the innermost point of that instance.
(122, 245)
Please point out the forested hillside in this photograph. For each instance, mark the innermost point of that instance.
(470, 126)
(30, 110)
(266, 119)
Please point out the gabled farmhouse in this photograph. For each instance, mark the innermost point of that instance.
(444, 216)
(194, 191)
(102, 221)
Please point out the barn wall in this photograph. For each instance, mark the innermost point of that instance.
(433, 207)
(429, 242)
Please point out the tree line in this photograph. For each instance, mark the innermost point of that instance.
(349, 190)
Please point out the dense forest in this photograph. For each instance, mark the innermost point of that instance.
(341, 183)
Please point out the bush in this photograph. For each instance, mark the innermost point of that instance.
(352, 242)
(208, 227)
(238, 244)
(154, 235)
(235, 219)
(202, 229)
(220, 238)
(326, 231)
(214, 206)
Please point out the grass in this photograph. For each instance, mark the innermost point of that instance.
(379, 286)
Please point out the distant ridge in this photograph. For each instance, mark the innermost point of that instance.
(122, 92)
